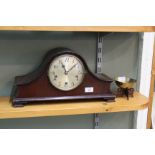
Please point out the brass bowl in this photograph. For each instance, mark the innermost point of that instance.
(125, 82)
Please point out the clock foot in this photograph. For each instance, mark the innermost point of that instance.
(18, 104)
(111, 100)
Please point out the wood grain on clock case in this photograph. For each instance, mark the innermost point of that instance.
(35, 86)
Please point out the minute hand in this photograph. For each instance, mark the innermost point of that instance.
(71, 68)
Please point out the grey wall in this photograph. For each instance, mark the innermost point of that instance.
(21, 52)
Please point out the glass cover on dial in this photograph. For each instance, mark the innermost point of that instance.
(66, 72)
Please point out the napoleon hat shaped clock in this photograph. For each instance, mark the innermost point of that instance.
(62, 75)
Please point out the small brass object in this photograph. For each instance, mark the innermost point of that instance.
(126, 86)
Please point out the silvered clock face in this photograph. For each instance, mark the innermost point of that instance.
(66, 72)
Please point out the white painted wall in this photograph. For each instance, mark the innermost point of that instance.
(145, 75)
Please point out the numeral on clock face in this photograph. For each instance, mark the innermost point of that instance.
(67, 71)
(55, 77)
(76, 77)
(66, 59)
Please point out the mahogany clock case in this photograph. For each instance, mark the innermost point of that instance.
(36, 86)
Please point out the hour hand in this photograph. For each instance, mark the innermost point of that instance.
(63, 66)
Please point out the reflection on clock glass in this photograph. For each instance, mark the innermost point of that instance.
(66, 72)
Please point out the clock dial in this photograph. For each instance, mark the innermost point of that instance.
(66, 72)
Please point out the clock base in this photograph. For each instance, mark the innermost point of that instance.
(20, 102)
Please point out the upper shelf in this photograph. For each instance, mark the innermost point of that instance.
(72, 108)
(82, 28)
